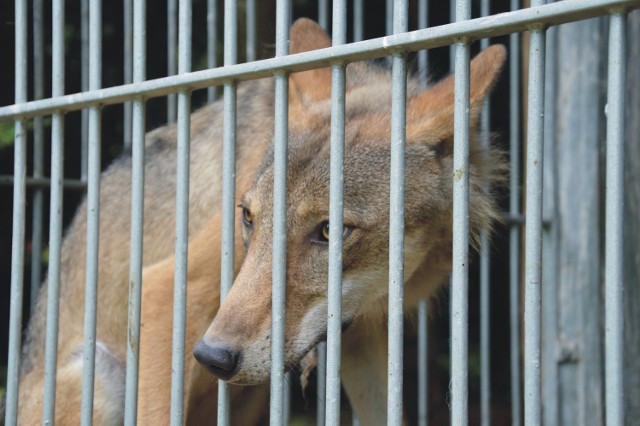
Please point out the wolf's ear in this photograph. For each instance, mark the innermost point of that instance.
(315, 84)
(430, 114)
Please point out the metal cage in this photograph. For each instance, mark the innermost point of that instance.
(547, 277)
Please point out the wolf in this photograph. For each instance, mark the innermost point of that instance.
(236, 345)
(239, 329)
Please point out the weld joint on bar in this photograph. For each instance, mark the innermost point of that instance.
(538, 27)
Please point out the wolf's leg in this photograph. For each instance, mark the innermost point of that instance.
(364, 370)
(154, 383)
(156, 335)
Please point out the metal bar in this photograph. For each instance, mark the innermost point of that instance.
(279, 257)
(55, 224)
(323, 17)
(358, 20)
(93, 216)
(128, 69)
(460, 254)
(423, 22)
(389, 17)
(551, 279)
(40, 182)
(336, 218)
(423, 314)
(137, 217)
(84, 49)
(288, 380)
(396, 221)
(182, 222)
(533, 225)
(452, 19)
(212, 41)
(614, 378)
(492, 26)
(19, 204)
(172, 43)
(485, 254)
(251, 30)
(228, 182)
(38, 154)
(321, 373)
(514, 211)
(423, 353)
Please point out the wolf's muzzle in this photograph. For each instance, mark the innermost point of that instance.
(217, 358)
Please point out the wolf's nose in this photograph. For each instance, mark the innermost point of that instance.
(217, 357)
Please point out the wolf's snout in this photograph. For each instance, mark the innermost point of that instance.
(218, 358)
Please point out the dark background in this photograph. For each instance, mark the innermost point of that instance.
(112, 136)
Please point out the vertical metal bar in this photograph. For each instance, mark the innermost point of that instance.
(336, 203)
(212, 41)
(485, 376)
(460, 255)
(321, 373)
(251, 30)
(137, 216)
(389, 17)
(55, 226)
(84, 49)
(279, 258)
(358, 21)
(452, 48)
(423, 22)
(172, 43)
(423, 315)
(182, 222)
(288, 378)
(38, 154)
(423, 390)
(323, 17)
(228, 180)
(19, 204)
(550, 238)
(396, 221)
(533, 227)
(514, 210)
(614, 222)
(93, 216)
(128, 69)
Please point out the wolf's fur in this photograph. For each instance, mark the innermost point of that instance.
(243, 321)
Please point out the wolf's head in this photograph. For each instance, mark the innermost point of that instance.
(236, 347)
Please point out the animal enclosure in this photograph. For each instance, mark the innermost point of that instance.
(539, 326)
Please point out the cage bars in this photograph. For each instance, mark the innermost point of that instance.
(55, 224)
(182, 219)
(336, 203)
(279, 256)
(533, 225)
(19, 204)
(613, 223)
(137, 215)
(93, 215)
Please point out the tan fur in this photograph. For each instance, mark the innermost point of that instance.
(244, 318)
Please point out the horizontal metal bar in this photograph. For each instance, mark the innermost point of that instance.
(429, 38)
(44, 182)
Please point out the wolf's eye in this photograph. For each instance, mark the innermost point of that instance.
(247, 218)
(324, 232)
